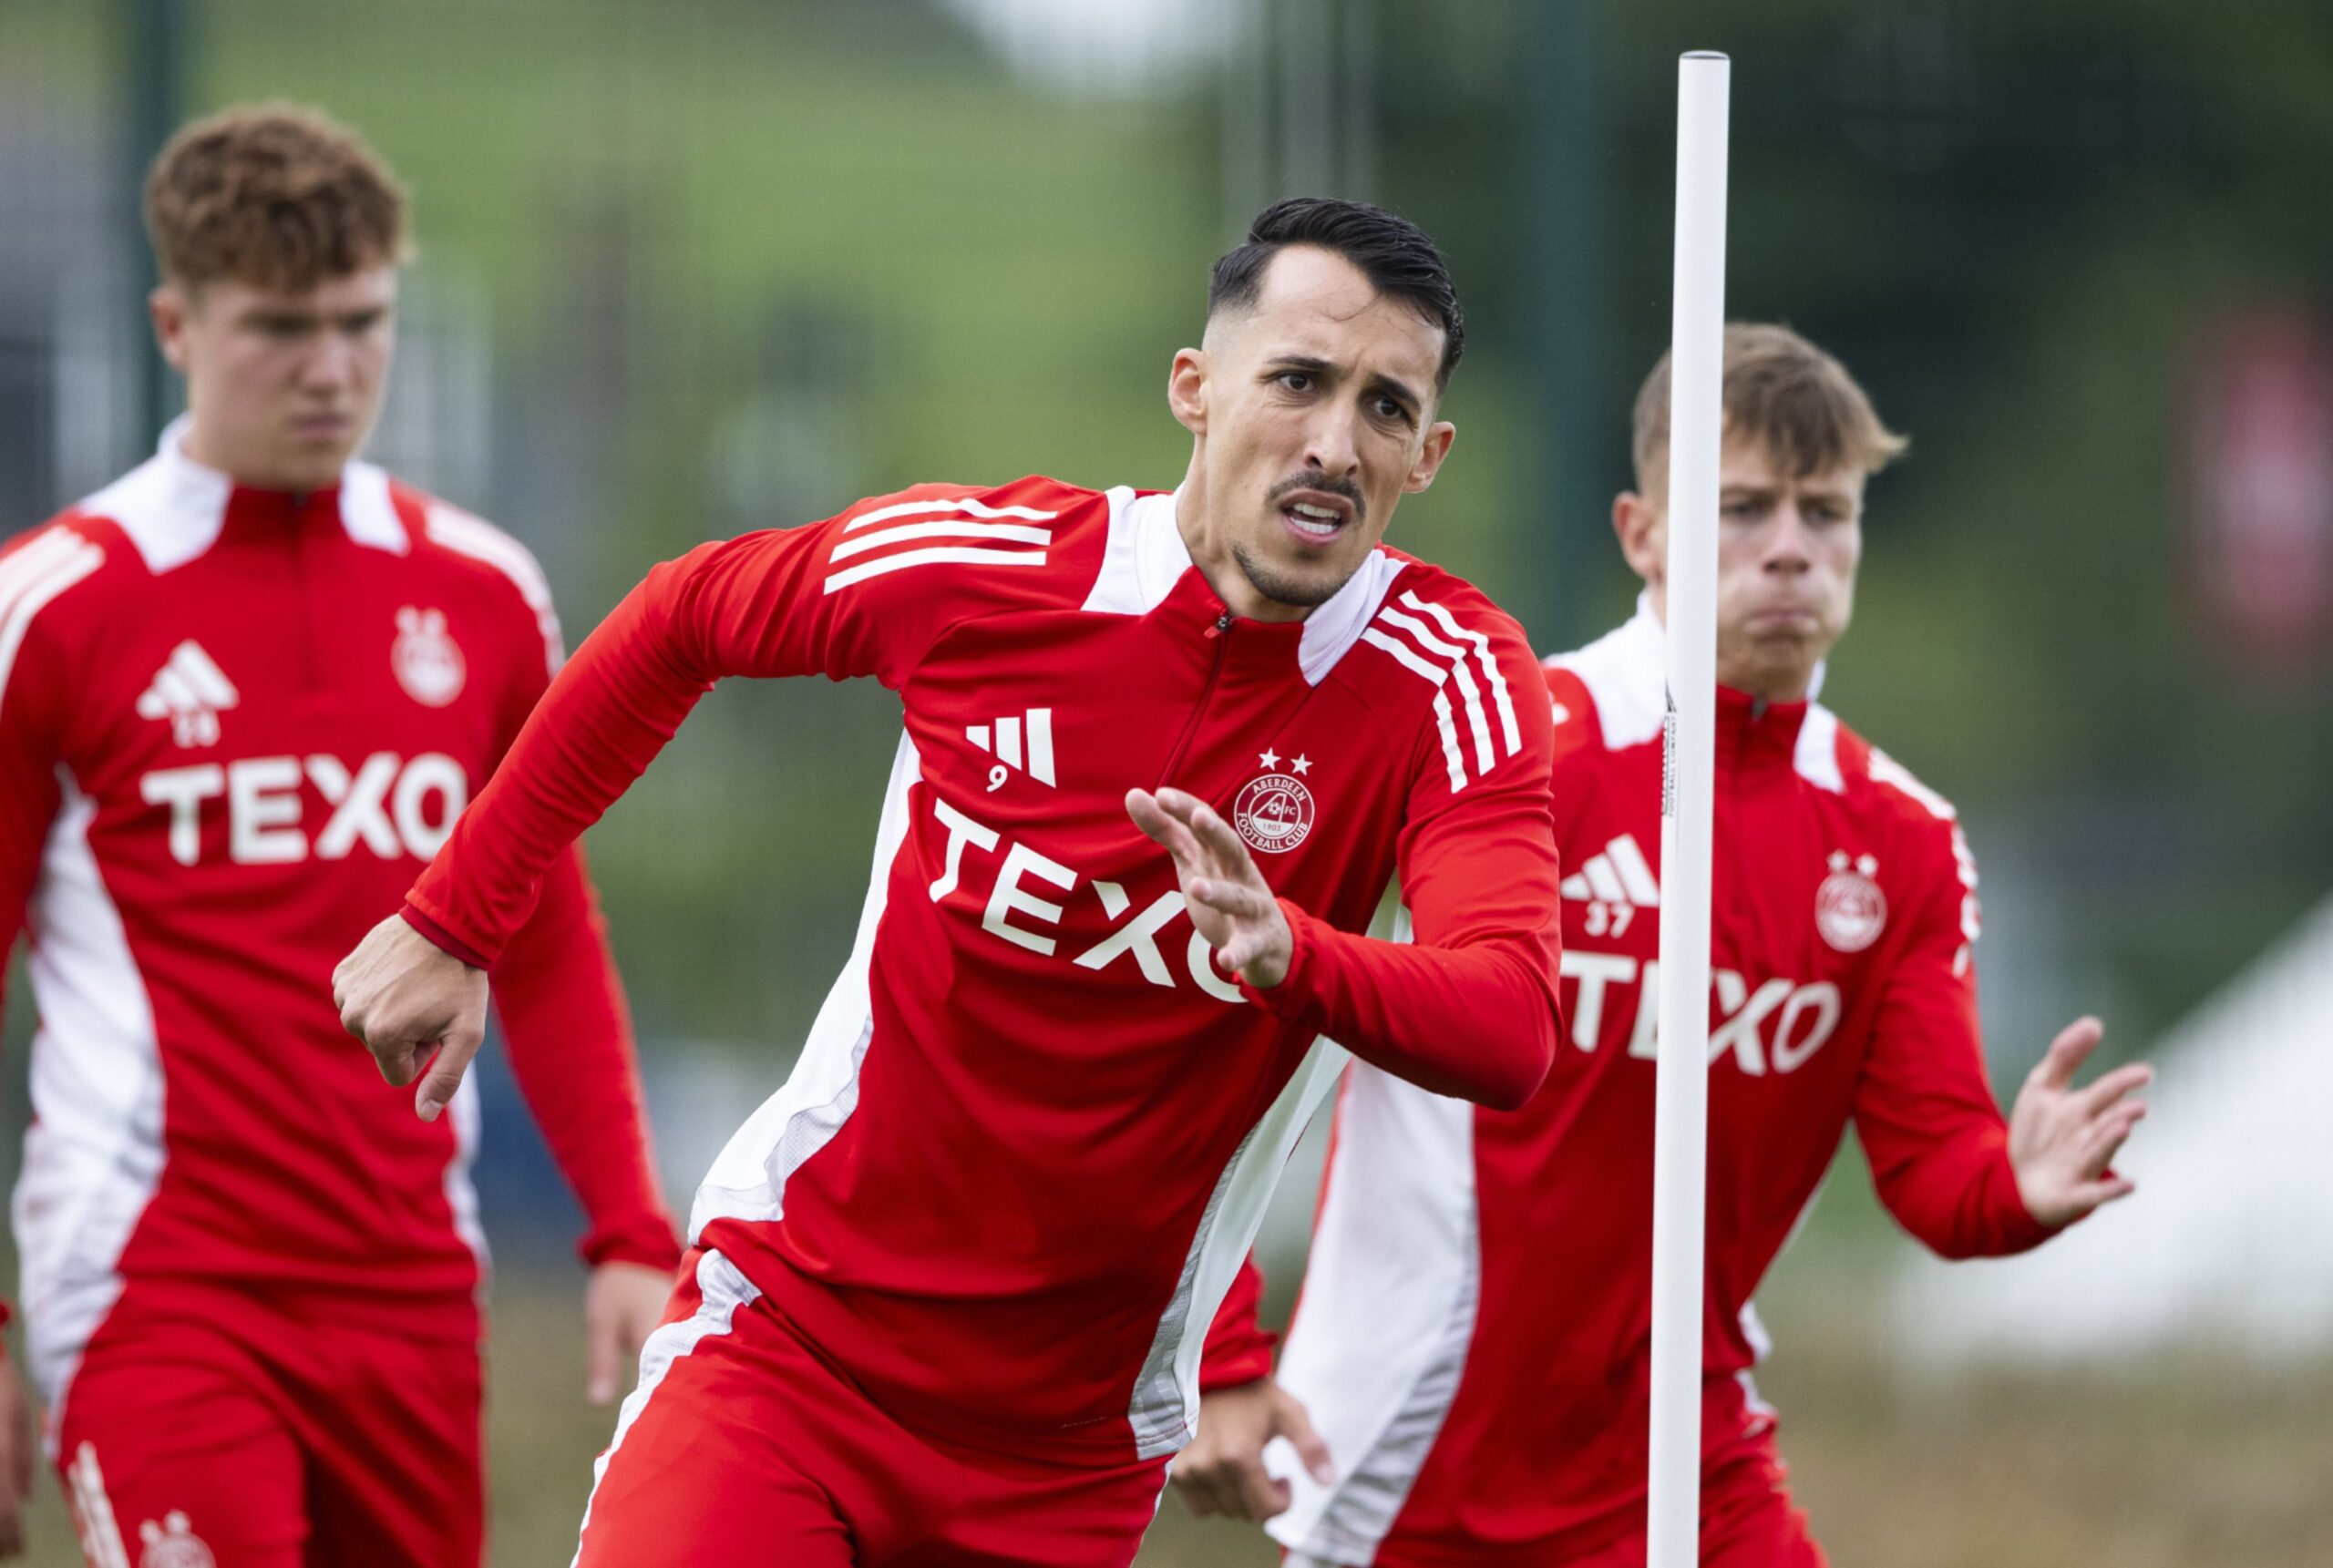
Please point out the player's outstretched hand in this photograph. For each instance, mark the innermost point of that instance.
(1230, 903)
(622, 1306)
(16, 1459)
(2062, 1139)
(406, 997)
(1223, 1471)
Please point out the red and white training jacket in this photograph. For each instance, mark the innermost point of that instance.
(1471, 1337)
(1034, 1126)
(233, 725)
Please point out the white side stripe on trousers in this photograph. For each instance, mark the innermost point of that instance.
(724, 1291)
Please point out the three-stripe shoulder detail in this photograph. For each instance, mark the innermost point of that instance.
(893, 539)
(456, 530)
(1430, 642)
(1886, 769)
(34, 574)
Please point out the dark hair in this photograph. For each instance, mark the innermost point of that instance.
(1392, 253)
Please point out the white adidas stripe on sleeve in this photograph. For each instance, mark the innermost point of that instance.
(481, 540)
(30, 578)
(965, 505)
(1439, 654)
(1509, 731)
(1433, 676)
(944, 555)
(1485, 758)
(1018, 533)
(990, 543)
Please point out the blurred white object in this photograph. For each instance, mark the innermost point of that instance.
(1104, 50)
(2228, 1240)
(1689, 791)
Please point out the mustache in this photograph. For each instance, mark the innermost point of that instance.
(1345, 488)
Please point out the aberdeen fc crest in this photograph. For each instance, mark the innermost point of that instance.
(426, 658)
(1274, 813)
(173, 1544)
(1849, 908)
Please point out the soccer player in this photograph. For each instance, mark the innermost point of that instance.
(1468, 1369)
(1164, 753)
(245, 692)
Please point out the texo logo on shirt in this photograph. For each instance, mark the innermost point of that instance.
(1803, 1016)
(390, 806)
(1137, 938)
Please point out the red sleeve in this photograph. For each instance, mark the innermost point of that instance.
(29, 791)
(570, 1037)
(33, 684)
(799, 601)
(1478, 877)
(1238, 1347)
(1924, 1109)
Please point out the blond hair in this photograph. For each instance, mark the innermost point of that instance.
(1785, 394)
(272, 195)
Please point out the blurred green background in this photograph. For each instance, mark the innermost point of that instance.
(694, 266)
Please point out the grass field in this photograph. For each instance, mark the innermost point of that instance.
(2195, 1462)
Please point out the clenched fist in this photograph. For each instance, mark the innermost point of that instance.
(408, 1000)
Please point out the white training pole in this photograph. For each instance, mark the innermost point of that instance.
(1681, 1109)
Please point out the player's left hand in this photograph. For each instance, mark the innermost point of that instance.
(622, 1306)
(1230, 903)
(2062, 1139)
(1222, 1471)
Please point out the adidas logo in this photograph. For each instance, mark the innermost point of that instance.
(1620, 875)
(190, 690)
(1009, 740)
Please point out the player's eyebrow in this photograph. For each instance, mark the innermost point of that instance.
(1312, 364)
(1398, 390)
(1390, 386)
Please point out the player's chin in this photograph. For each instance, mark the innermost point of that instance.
(1786, 661)
(1305, 576)
(311, 466)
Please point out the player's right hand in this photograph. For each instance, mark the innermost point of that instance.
(1222, 1471)
(406, 997)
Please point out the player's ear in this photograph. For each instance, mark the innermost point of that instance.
(1430, 453)
(1187, 389)
(168, 307)
(1639, 526)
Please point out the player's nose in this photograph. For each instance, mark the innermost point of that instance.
(1789, 543)
(330, 362)
(1329, 445)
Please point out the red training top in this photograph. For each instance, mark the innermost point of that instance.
(1472, 1337)
(1034, 1127)
(233, 725)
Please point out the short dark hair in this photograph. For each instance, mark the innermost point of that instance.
(1394, 254)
